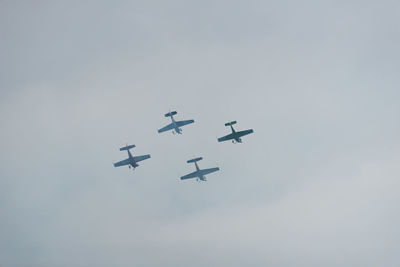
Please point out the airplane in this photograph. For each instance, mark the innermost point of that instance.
(198, 174)
(234, 136)
(174, 125)
(132, 162)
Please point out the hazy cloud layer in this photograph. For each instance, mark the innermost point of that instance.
(315, 185)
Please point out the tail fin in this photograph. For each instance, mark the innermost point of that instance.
(126, 147)
(194, 160)
(230, 123)
(170, 114)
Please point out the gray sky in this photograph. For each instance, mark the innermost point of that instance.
(317, 184)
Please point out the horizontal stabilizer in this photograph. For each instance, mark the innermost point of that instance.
(126, 147)
(194, 160)
(230, 123)
(170, 114)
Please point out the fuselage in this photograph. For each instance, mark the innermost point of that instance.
(177, 129)
(132, 161)
(201, 176)
(236, 138)
(134, 164)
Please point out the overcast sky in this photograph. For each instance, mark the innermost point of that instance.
(317, 184)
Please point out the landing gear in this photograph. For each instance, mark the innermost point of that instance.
(177, 131)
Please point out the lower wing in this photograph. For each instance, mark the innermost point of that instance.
(226, 137)
(183, 123)
(122, 163)
(190, 175)
(166, 128)
(140, 158)
(208, 171)
(242, 133)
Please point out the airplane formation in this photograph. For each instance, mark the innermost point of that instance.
(175, 127)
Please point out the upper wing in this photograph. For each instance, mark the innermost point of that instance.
(122, 163)
(226, 137)
(207, 171)
(190, 175)
(166, 128)
(183, 123)
(242, 133)
(140, 158)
